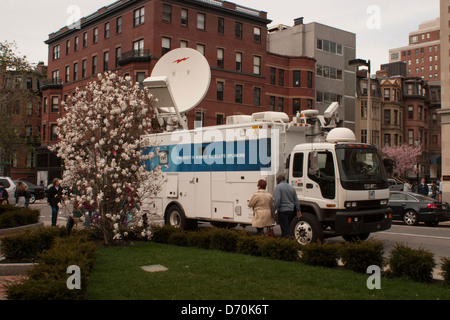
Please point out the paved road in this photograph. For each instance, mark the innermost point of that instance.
(435, 239)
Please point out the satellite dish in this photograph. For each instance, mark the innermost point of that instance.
(180, 80)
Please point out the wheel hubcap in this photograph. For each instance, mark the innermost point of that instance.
(175, 219)
(303, 232)
(410, 218)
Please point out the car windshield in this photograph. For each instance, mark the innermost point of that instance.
(360, 164)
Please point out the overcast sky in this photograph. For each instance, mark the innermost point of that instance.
(379, 25)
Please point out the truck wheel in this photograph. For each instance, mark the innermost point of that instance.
(306, 229)
(175, 217)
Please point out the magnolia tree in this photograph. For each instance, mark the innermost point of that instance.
(101, 147)
(405, 158)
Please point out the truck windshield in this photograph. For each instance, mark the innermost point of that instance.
(360, 167)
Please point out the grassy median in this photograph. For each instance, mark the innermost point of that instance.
(196, 274)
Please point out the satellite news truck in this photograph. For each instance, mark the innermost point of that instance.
(212, 172)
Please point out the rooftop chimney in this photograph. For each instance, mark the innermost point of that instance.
(298, 21)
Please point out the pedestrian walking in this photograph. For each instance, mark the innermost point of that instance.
(54, 199)
(262, 204)
(286, 204)
(3, 195)
(407, 187)
(21, 194)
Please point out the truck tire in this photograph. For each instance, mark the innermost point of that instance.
(306, 229)
(176, 217)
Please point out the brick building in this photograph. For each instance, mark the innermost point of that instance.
(129, 36)
(422, 54)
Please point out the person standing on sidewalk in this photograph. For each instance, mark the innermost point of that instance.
(286, 204)
(262, 203)
(54, 199)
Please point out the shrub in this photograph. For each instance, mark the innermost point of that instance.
(249, 244)
(161, 234)
(318, 254)
(12, 216)
(29, 244)
(279, 248)
(445, 267)
(223, 239)
(416, 264)
(179, 238)
(199, 239)
(47, 280)
(360, 255)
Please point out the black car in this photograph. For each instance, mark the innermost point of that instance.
(37, 192)
(412, 208)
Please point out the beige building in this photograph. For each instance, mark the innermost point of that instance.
(445, 97)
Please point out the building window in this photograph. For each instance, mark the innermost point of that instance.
(281, 77)
(201, 48)
(54, 135)
(273, 75)
(184, 17)
(118, 56)
(83, 68)
(55, 104)
(420, 112)
(167, 13)
(55, 76)
(95, 35)
(75, 71)
(94, 65)
(364, 136)
(220, 57)
(387, 116)
(364, 109)
(138, 47)
(105, 61)
(310, 79)
(238, 93)
(387, 94)
(296, 106)
(76, 43)
(219, 119)
(297, 78)
(239, 61)
(387, 140)
(257, 97)
(257, 65)
(272, 103)
(107, 25)
(410, 137)
(220, 87)
(238, 29)
(257, 34)
(56, 52)
(140, 77)
(183, 44)
(85, 39)
(410, 112)
(221, 26)
(166, 45)
(67, 75)
(139, 17)
(199, 119)
(201, 21)
(119, 25)
(280, 104)
(68, 47)
(44, 132)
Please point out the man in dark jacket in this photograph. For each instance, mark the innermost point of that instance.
(54, 198)
(3, 195)
(423, 188)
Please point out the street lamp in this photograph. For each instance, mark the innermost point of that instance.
(363, 63)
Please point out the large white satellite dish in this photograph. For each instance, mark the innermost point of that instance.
(179, 81)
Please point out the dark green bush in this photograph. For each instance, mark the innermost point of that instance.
(179, 238)
(199, 239)
(12, 216)
(48, 280)
(249, 244)
(416, 264)
(223, 239)
(360, 255)
(445, 267)
(29, 244)
(161, 234)
(318, 254)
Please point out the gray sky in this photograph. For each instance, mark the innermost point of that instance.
(379, 25)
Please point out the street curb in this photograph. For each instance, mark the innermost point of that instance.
(9, 231)
(15, 269)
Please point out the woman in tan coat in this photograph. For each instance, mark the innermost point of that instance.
(262, 203)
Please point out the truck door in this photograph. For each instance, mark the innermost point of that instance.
(296, 176)
(321, 182)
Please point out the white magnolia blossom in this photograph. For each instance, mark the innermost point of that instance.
(100, 145)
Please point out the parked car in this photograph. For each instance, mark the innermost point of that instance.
(10, 186)
(37, 192)
(412, 208)
(394, 185)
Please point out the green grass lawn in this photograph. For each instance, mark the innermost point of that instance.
(196, 274)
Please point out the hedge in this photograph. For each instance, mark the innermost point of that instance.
(48, 279)
(360, 255)
(445, 267)
(12, 216)
(416, 264)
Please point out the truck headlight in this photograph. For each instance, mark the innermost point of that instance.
(384, 202)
